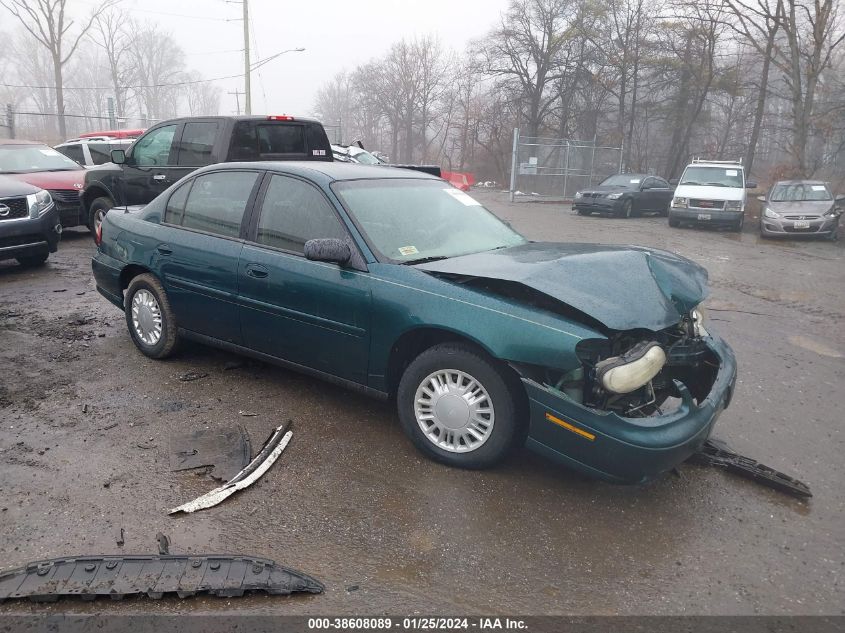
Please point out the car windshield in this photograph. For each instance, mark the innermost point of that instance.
(713, 176)
(800, 192)
(415, 220)
(629, 181)
(24, 159)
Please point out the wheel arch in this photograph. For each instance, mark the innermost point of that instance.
(92, 192)
(130, 272)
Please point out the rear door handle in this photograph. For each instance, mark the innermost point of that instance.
(257, 271)
(164, 249)
(160, 177)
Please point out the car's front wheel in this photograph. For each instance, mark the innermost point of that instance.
(627, 210)
(149, 317)
(459, 407)
(97, 211)
(674, 223)
(737, 226)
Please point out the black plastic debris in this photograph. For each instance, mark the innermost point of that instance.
(192, 375)
(227, 449)
(89, 577)
(715, 452)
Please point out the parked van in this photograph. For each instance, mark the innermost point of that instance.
(711, 192)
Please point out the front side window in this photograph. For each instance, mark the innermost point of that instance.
(154, 148)
(294, 212)
(217, 201)
(713, 176)
(197, 143)
(411, 220)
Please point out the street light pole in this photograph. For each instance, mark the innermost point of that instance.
(247, 86)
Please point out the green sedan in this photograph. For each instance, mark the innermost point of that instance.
(394, 283)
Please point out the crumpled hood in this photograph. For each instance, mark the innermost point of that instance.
(622, 287)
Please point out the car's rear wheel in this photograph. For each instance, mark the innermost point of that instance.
(149, 317)
(459, 407)
(32, 261)
(97, 211)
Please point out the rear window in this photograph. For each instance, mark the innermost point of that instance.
(278, 141)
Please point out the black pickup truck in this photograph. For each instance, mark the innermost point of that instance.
(173, 149)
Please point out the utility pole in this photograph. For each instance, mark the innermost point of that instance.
(247, 87)
(237, 94)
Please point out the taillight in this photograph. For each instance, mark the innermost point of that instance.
(98, 234)
(280, 117)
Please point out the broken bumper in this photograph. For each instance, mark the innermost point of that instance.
(627, 450)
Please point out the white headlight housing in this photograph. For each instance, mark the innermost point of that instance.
(39, 203)
(697, 317)
(615, 196)
(733, 205)
(577, 194)
(680, 203)
(633, 369)
(767, 212)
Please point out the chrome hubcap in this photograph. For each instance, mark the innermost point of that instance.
(454, 411)
(146, 317)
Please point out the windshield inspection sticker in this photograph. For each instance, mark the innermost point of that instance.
(731, 172)
(634, 181)
(408, 250)
(461, 197)
(817, 187)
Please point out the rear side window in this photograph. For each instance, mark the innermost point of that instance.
(294, 212)
(197, 143)
(74, 152)
(101, 152)
(217, 201)
(176, 205)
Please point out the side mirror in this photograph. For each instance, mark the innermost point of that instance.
(674, 181)
(329, 249)
(118, 156)
(761, 198)
(750, 184)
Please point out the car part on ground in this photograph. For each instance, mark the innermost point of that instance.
(716, 453)
(270, 452)
(226, 449)
(90, 577)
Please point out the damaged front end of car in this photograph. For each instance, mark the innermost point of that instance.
(639, 404)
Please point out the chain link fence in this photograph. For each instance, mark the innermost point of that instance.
(44, 126)
(554, 169)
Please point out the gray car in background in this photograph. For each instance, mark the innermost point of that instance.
(800, 207)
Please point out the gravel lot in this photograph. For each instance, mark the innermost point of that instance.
(86, 419)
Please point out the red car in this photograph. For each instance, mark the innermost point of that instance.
(42, 166)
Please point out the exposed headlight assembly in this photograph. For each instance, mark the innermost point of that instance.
(680, 203)
(39, 203)
(767, 212)
(614, 196)
(633, 369)
(697, 316)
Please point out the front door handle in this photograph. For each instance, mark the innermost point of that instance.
(164, 249)
(257, 271)
(160, 177)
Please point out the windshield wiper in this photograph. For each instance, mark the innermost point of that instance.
(425, 260)
(716, 184)
(690, 182)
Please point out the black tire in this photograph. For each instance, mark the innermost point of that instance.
(627, 210)
(97, 211)
(582, 212)
(502, 390)
(168, 338)
(737, 226)
(674, 223)
(33, 261)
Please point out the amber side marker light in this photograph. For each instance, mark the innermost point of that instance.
(570, 427)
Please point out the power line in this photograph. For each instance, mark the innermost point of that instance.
(165, 85)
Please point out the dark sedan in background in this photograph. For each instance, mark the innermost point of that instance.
(625, 196)
(29, 222)
(800, 207)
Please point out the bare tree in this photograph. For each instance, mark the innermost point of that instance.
(48, 22)
(159, 64)
(112, 33)
(203, 97)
